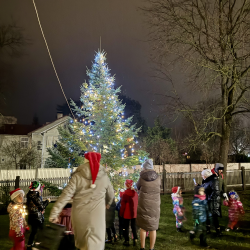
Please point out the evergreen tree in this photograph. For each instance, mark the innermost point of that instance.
(102, 122)
(69, 149)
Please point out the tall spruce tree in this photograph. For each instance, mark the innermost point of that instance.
(102, 123)
(68, 151)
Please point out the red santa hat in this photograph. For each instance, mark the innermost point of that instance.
(128, 183)
(15, 193)
(94, 163)
(175, 190)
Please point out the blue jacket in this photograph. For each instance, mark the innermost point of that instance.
(200, 210)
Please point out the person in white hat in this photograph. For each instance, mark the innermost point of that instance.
(17, 214)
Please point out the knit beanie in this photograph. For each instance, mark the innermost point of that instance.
(35, 185)
(148, 164)
(15, 193)
(206, 172)
(94, 163)
(232, 192)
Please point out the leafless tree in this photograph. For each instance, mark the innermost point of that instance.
(212, 38)
(12, 40)
(16, 154)
(239, 138)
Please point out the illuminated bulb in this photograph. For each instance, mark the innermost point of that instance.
(15, 207)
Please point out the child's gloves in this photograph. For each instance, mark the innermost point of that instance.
(27, 228)
(225, 196)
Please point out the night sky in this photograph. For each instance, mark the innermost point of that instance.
(73, 29)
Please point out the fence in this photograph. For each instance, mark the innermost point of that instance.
(235, 178)
(24, 185)
(41, 173)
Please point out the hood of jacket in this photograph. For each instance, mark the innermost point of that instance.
(130, 192)
(148, 175)
(84, 170)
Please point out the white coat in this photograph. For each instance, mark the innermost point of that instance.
(88, 208)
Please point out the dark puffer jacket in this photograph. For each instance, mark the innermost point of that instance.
(148, 212)
(200, 210)
(110, 215)
(35, 206)
(212, 190)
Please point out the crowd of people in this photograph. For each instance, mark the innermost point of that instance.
(207, 205)
(87, 207)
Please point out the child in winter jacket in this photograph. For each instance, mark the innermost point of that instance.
(200, 215)
(36, 208)
(128, 211)
(178, 207)
(118, 207)
(235, 209)
(18, 224)
(110, 222)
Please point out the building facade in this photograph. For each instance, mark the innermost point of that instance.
(38, 137)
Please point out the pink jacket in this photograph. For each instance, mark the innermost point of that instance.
(235, 209)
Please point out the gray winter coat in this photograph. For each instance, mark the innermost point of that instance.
(148, 212)
(88, 207)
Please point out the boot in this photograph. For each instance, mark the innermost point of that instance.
(29, 247)
(134, 242)
(208, 230)
(126, 243)
(218, 232)
(191, 235)
(179, 230)
(115, 238)
(109, 241)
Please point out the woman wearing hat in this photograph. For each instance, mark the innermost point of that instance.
(36, 207)
(92, 192)
(17, 214)
(148, 213)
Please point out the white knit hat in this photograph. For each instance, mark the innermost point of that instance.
(206, 172)
(148, 164)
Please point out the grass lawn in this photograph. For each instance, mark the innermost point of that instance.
(167, 237)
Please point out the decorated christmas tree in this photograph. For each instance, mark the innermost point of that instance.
(102, 124)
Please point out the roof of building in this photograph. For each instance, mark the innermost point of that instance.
(17, 129)
(50, 125)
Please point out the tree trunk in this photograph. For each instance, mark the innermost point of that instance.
(224, 146)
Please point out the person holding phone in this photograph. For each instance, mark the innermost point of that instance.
(212, 189)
